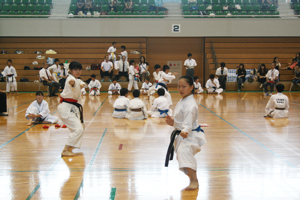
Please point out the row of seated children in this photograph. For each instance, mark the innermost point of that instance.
(135, 109)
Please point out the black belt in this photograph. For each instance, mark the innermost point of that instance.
(280, 108)
(170, 152)
(79, 106)
(12, 80)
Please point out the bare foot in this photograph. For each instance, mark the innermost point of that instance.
(67, 153)
(193, 186)
(29, 124)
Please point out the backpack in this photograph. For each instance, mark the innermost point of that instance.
(24, 80)
(37, 68)
(26, 68)
(95, 67)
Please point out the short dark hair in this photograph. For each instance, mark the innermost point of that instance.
(113, 43)
(123, 47)
(93, 76)
(273, 63)
(189, 54)
(161, 92)
(132, 61)
(75, 65)
(279, 87)
(56, 60)
(39, 93)
(189, 81)
(222, 64)
(136, 93)
(157, 66)
(61, 64)
(196, 77)
(123, 91)
(211, 76)
(115, 79)
(165, 67)
(9, 60)
(147, 78)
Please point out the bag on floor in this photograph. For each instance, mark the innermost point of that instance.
(95, 66)
(26, 68)
(24, 80)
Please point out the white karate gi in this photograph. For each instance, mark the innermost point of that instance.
(11, 83)
(280, 101)
(112, 56)
(70, 114)
(56, 71)
(132, 81)
(169, 77)
(94, 84)
(198, 88)
(124, 53)
(156, 77)
(112, 86)
(160, 103)
(145, 88)
(41, 109)
(136, 103)
(209, 86)
(121, 103)
(186, 119)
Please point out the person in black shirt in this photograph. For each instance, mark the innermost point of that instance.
(262, 71)
(241, 76)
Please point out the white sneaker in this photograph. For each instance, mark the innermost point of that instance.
(209, 7)
(238, 7)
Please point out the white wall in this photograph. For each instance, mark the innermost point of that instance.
(65, 27)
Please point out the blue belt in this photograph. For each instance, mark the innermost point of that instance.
(162, 84)
(120, 110)
(198, 129)
(163, 111)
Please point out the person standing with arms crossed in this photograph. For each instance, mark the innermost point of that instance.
(190, 64)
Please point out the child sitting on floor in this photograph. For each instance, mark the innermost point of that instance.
(121, 104)
(160, 106)
(137, 108)
(146, 85)
(197, 85)
(114, 87)
(94, 86)
(38, 111)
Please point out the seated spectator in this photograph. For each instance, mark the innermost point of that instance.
(47, 79)
(106, 69)
(128, 5)
(261, 73)
(277, 63)
(146, 86)
(212, 85)
(80, 6)
(113, 5)
(143, 68)
(89, 6)
(296, 79)
(298, 57)
(241, 76)
(94, 86)
(221, 73)
(114, 87)
(278, 104)
(159, 7)
(3, 104)
(272, 79)
(291, 65)
(122, 69)
(197, 86)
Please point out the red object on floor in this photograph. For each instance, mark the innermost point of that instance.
(120, 146)
(57, 126)
(64, 126)
(45, 127)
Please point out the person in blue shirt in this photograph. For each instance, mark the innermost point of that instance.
(159, 7)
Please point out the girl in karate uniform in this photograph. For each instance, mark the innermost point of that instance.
(10, 73)
(70, 111)
(191, 137)
(38, 112)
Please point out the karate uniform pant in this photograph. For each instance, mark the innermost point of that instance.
(74, 125)
(277, 113)
(211, 90)
(11, 86)
(156, 114)
(110, 92)
(143, 91)
(119, 114)
(49, 118)
(135, 115)
(3, 105)
(151, 90)
(134, 83)
(187, 148)
(95, 93)
(83, 92)
(199, 91)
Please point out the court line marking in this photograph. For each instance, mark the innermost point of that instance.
(90, 164)
(268, 149)
(112, 194)
(244, 96)
(1, 146)
(295, 103)
(19, 105)
(100, 106)
(39, 184)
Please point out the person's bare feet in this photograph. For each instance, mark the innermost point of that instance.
(193, 185)
(67, 153)
(29, 123)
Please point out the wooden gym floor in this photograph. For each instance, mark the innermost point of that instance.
(247, 157)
